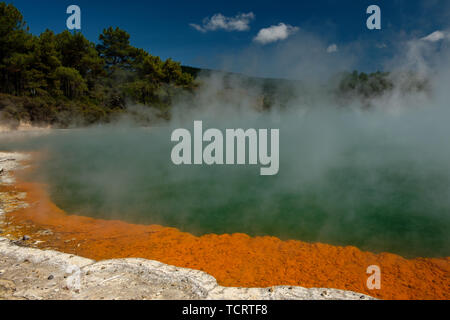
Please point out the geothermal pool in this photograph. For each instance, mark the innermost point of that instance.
(367, 190)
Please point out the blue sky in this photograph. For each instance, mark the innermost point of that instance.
(165, 28)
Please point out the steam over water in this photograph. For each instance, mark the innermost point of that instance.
(377, 178)
(371, 179)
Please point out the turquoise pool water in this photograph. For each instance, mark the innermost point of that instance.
(376, 196)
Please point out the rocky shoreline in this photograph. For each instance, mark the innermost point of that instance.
(10, 200)
(31, 273)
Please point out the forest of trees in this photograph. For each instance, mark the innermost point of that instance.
(62, 79)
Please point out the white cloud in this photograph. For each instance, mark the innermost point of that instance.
(275, 33)
(332, 48)
(435, 36)
(240, 22)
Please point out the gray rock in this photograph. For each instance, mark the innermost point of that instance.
(76, 278)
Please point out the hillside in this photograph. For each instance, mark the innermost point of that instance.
(65, 80)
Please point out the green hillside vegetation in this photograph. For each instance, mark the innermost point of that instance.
(62, 79)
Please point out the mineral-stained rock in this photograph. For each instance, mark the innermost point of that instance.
(77, 278)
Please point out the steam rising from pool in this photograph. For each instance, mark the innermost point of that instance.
(378, 179)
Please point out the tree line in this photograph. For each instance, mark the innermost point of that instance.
(64, 78)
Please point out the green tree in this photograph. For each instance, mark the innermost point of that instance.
(76, 52)
(71, 82)
(44, 63)
(174, 74)
(14, 41)
(151, 69)
(115, 48)
(33, 73)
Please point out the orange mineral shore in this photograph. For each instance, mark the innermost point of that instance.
(234, 260)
